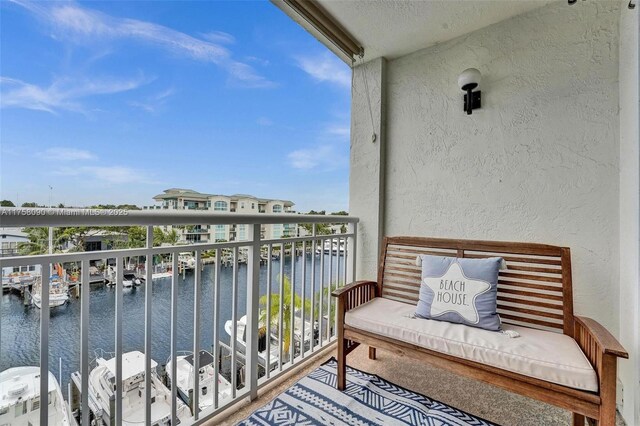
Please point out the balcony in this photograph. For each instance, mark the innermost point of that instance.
(490, 402)
(225, 283)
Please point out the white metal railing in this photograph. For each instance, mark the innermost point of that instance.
(341, 249)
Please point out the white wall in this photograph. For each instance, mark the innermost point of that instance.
(629, 211)
(540, 161)
(366, 181)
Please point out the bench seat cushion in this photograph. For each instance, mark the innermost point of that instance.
(544, 355)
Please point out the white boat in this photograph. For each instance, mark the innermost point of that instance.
(20, 399)
(241, 337)
(162, 270)
(185, 379)
(102, 388)
(58, 292)
(186, 261)
(241, 327)
(332, 247)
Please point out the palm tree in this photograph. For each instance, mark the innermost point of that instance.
(287, 293)
(39, 241)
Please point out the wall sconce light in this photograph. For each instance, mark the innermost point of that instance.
(468, 81)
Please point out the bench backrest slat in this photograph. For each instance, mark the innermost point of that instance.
(534, 291)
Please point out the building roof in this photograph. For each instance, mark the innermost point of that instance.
(14, 232)
(190, 193)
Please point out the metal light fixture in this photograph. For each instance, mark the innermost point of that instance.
(469, 80)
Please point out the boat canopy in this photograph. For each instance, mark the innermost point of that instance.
(132, 364)
(205, 358)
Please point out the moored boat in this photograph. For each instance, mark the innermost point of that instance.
(58, 292)
(241, 338)
(102, 389)
(20, 399)
(185, 379)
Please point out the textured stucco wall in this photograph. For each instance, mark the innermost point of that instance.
(629, 211)
(366, 182)
(539, 162)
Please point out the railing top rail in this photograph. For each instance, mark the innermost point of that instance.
(21, 217)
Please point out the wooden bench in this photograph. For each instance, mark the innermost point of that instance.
(534, 291)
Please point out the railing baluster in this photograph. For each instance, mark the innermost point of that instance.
(321, 298)
(335, 316)
(313, 287)
(84, 341)
(197, 282)
(234, 322)
(280, 314)
(44, 343)
(148, 284)
(216, 326)
(292, 319)
(268, 318)
(354, 244)
(253, 313)
(304, 284)
(174, 337)
(345, 261)
(119, 279)
(329, 289)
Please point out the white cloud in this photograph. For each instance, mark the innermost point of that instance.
(154, 102)
(264, 121)
(326, 67)
(219, 37)
(326, 157)
(83, 25)
(66, 154)
(109, 174)
(62, 94)
(338, 130)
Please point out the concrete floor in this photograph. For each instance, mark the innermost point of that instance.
(486, 401)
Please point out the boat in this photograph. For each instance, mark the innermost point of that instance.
(185, 379)
(58, 292)
(129, 279)
(241, 327)
(186, 261)
(241, 337)
(20, 399)
(332, 247)
(102, 384)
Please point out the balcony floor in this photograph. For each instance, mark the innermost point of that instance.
(489, 402)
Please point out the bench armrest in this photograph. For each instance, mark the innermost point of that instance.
(587, 329)
(352, 295)
(350, 287)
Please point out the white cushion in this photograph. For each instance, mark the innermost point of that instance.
(552, 357)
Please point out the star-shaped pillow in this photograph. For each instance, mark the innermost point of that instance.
(460, 290)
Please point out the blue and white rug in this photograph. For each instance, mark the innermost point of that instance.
(368, 400)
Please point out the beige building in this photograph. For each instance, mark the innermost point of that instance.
(188, 199)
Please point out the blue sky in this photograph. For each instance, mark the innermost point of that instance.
(113, 102)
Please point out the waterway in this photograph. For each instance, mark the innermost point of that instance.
(20, 325)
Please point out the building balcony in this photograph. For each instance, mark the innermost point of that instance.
(489, 402)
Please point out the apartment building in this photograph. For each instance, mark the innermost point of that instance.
(188, 199)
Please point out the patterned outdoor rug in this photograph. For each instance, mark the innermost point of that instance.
(368, 400)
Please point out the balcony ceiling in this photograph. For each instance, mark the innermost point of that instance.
(393, 28)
